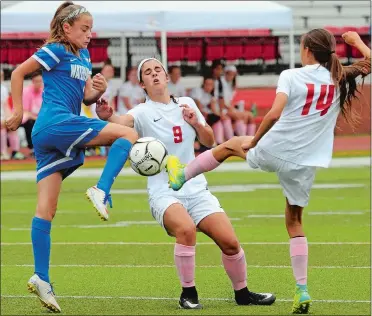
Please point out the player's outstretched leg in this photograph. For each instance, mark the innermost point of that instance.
(209, 160)
(124, 137)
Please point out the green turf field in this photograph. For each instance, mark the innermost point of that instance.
(125, 266)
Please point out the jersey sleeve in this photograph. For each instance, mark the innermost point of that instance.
(195, 94)
(136, 113)
(193, 105)
(284, 83)
(49, 55)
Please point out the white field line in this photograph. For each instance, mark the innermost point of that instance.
(133, 243)
(170, 298)
(160, 266)
(356, 162)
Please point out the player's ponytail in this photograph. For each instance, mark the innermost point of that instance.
(322, 44)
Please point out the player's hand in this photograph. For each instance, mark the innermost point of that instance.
(351, 38)
(99, 83)
(13, 122)
(189, 115)
(103, 110)
(248, 144)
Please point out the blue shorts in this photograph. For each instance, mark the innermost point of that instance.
(61, 147)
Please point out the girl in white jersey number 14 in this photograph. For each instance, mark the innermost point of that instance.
(176, 122)
(295, 137)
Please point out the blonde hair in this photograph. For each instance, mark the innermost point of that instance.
(67, 12)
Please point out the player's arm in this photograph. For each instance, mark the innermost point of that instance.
(271, 117)
(126, 120)
(193, 116)
(106, 113)
(94, 89)
(17, 79)
(205, 134)
(353, 39)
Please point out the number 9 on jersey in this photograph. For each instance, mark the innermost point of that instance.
(148, 156)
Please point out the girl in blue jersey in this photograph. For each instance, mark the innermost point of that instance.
(60, 135)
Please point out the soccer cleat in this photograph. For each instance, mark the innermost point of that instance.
(99, 200)
(302, 300)
(189, 303)
(176, 173)
(246, 297)
(44, 291)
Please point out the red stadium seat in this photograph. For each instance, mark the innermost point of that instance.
(194, 49)
(4, 52)
(98, 50)
(234, 48)
(270, 49)
(175, 49)
(252, 49)
(215, 49)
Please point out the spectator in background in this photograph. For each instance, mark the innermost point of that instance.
(130, 93)
(208, 106)
(175, 87)
(32, 100)
(244, 123)
(217, 72)
(5, 135)
(108, 72)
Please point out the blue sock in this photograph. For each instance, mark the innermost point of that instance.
(40, 235)
(116, 159)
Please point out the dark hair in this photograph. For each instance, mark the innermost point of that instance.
(171, 95)
(171, 68)
(57, 35)
(323, 44)
(205, 78)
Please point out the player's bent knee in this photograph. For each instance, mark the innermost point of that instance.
(231, 247)
(186, 234)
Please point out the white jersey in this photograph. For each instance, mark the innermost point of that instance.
(4, 100)
(304, 133)
(165, 122)
(203, 97)
(177, 89)
(228, 92)
(132, 91)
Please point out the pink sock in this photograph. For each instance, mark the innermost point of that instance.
(251, 129)
(228, 129)
(236, 269)
(240, 128)
(14, 141)
(184, 257)
(203, 163)
(299, 255)
(218, 132)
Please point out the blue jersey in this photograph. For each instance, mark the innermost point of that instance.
(64, 77)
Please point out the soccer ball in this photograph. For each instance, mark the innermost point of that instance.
(148, 156)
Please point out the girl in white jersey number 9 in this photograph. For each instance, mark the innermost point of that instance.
(176, 122)
(295, 137)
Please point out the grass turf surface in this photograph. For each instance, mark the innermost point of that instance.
(117, 276)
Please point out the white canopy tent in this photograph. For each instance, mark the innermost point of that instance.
(163, 16)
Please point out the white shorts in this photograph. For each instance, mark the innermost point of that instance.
(295, 179)
(198, 206)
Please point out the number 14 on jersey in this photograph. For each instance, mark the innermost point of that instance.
(324, 100)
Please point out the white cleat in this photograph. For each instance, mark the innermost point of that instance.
(99, 201)
(44, 291)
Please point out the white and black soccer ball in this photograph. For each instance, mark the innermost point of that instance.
(148, 156)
